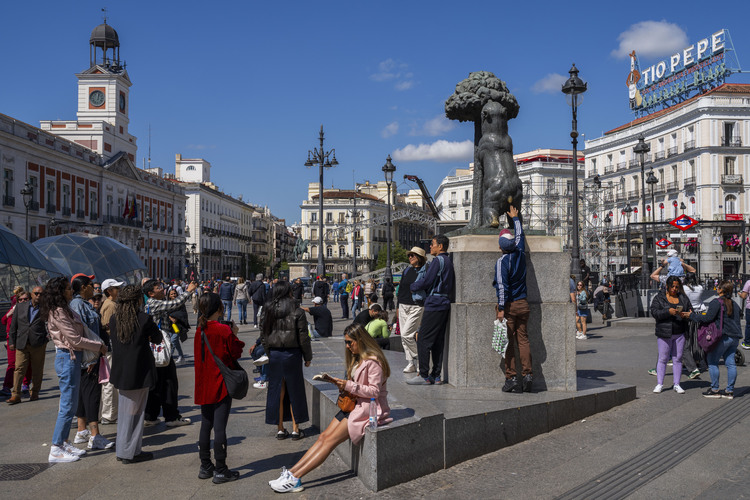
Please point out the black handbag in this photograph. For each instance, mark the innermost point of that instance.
(236, 381)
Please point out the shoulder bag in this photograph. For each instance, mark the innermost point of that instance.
(236, 381)
(346, 401)
(709, 335)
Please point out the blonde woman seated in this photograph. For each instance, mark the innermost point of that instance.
(366, 373)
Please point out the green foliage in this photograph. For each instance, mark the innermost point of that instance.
(255, 264)
(398, 254)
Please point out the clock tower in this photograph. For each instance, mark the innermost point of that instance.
(103, 100)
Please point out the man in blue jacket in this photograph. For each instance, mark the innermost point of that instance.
(440, 283)
(510, 284)
(226, 293)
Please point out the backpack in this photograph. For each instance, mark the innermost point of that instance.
(709, 335)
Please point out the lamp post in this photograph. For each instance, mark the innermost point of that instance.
(607, 222)
(354, 215)
(627, 211)
(388, 169)
(651, 180)
(28, 196)
(148, 223)
(573, 88)
(320, 157)
(195, 260)
(641, 149)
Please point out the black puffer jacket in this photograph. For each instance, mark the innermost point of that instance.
(666, 324)
(284, 326)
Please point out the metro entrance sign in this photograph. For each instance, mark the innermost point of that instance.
(663, 243)
(683, 222)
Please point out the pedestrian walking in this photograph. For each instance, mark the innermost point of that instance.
(27, 339)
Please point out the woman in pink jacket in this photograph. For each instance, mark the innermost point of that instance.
(366, 373)
(69, 336)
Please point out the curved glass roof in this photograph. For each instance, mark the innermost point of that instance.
(22, 264)
(90, 254)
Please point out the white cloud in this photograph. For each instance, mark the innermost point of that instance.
(394, 71)
(436, 126)
(405, 85)
(651, 39)
(551, 84)
(389, 130)
(441, 151)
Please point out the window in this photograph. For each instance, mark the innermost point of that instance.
(550, 186)
(329, 251)
(728, 134)
(66, 197)
(453, 215)
(467, 195)
(34, 182)
(329, 217)
(730, 204)
(80, 203)
(314, 251)
(466, 214)
(313, 234)
(674, 173)
(359, 251)
(342, 252)
(342, 218)
(92, 203)
(691, 168)
(729, 166)
(190, 168)
(8, 183)
(314, 217)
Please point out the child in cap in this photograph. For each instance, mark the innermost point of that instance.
(674, 264)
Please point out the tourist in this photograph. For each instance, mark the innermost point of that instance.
(163, 397)
(335, 290)
(178, 328)
(210, 390)
(367, 372)
(387, 292)
(585, 274)
(670, 308)
(582, 310)
(727, 346)
(90, 394)
(410, 306)
(743, 295)
(512, 305)
(369, 286)
(286, 341)
(241, 299)
(11, 368)
(693, 354)
(257, 291)
(378, 330)
(110, 397)
(226, 292)
(321, 289)
(298, 291)
(369, 314)
(322, 318)
(68, 333)
(358, 297)
(133, 369)
(440, 283)
(344, 296)
(28, 339)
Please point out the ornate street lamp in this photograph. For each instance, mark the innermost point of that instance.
(641, 149)
(573, 88)
(388, 169)
(607, 222)
(652, 181)
(28, 196)
(320, 157)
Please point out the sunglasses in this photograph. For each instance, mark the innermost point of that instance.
(36, 293)
(23, 300)
(349, 342)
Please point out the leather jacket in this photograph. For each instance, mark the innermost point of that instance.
(666, 324)
(284, 326)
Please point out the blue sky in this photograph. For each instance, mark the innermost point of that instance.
(246, 85)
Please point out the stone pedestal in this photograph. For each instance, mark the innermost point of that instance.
(469, 360)
(298, 270)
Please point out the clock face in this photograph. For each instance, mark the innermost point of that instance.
(122, 102)
(96, 98)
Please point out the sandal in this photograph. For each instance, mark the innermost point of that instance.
(296, 436)
(282, 435)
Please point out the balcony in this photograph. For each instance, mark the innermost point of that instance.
(9, 201)
(659, 155)
(466, 202)
(660, 189)
(731, 179)
(452, 203)
(65, 211)
(690, 183)
(622, 166)
(50, 208)
(92, 217)
(672, 186)
(634, 162)
(689, 145)
(33, 206)
(609, 169)
(672, 151)
(634, 194)
(80, 214)
(732, 142)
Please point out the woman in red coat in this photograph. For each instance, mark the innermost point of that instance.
(210, 390)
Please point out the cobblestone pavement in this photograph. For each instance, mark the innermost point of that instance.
(546, 466)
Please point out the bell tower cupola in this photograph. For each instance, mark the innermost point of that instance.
(104, 48)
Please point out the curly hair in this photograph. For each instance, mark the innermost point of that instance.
(367, 347)
(128, 302)
(53, 297)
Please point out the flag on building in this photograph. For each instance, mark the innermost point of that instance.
(134, 209)
(126, 213)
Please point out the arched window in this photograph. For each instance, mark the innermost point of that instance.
(190, 168)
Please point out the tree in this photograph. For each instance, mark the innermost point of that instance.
(255, 264)
(466, 104)
(398, 254)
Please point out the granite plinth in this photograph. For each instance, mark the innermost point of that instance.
(469, 358)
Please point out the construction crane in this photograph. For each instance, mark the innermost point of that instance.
(425, 194)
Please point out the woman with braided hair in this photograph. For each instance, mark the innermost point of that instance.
(133, 370)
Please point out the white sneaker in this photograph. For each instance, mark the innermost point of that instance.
(179, 422)
(410, 368)
(678, 389)
(282, 476)
(659, 388)
(99, 442)
(60, 455)
(73, 450)
(580, 336)
(179, 361)
(260, 385)
(288, 484)
(82, 436)
(261, 360)
(150, 423)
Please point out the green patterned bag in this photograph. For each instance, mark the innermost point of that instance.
(500, 336)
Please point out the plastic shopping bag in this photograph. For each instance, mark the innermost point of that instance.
(103, 370)
(500, 336)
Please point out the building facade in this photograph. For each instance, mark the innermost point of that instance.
(700, 159)
(82, 173)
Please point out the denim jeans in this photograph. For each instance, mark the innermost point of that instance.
(242, 307)
(227, 309)
(726, 348)
(176, 345)
(747, 326)
(69, 380)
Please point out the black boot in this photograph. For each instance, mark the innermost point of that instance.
(511, 385)
(527, 381)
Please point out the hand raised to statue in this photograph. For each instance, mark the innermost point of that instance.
(513, 211)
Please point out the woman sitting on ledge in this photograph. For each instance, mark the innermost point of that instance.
(366, 371)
